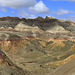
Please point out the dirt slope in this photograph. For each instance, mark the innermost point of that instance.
(66, 69)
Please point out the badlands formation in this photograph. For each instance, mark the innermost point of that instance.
(40, 46)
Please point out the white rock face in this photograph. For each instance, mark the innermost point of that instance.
(2, 28)
(71, 27)
(57, 28)
(23, 27)
(10, 28)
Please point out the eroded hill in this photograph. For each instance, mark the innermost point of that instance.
(46, 24)
(35, 46)
(24, 54)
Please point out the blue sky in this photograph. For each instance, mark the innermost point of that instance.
(60, 9)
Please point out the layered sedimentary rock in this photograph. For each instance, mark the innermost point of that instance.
(22, 55)
(7, 65)
(45, 24)
(23, 27)
(36, 46)
(57, 29)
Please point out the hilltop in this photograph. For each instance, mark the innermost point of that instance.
(44, 24)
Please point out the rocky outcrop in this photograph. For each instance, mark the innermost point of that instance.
(9, 36)
(44, 24)
(57, 29)
(23, 27)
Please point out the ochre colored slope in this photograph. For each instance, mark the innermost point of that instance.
(44, 55)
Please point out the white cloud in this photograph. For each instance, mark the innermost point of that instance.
(24, 14)
(38, 8)
(62, 12)
(3, 9)
(71, 17)
(17, 3)
(26, 8)
(64, 0)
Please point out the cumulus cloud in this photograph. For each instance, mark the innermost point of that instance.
(17, 3)
(39, 7)
(62, 12)
(24, 8)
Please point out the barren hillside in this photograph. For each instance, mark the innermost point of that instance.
(41, 46)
